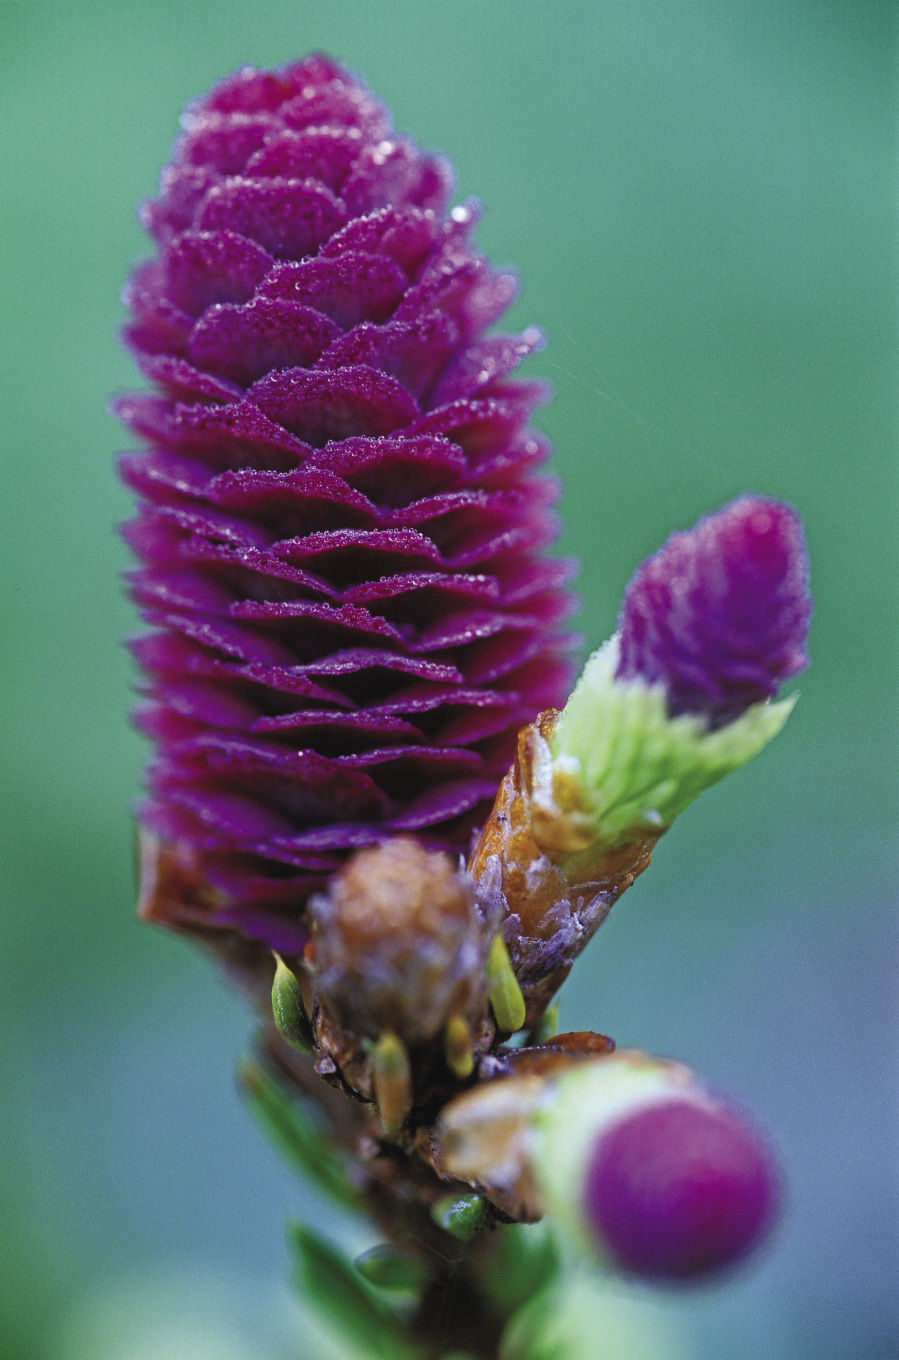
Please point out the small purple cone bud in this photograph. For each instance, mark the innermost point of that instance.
(720, 614)
(679, 1188)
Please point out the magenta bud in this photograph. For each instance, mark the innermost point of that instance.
(679, 1188)
(719, 615)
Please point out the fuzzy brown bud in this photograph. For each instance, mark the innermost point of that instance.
(400, 944)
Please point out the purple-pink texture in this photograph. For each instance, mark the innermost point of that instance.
(342, 525)
(719, 615)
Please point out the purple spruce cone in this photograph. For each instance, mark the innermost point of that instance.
(720, 614)
(340, 526)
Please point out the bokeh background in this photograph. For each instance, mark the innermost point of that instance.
(698, 197)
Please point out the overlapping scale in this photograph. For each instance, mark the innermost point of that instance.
(341, 525)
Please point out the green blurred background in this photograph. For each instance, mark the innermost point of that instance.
(698, 197)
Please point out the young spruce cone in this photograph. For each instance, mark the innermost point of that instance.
(340, 528)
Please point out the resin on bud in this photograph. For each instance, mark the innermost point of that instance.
(641, 1165)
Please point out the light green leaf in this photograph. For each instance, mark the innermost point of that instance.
(636, 768)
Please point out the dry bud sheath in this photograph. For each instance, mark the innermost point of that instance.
(556, 882)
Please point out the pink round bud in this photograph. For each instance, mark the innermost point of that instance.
(679, 1188)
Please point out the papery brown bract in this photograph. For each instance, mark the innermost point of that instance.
(341, 530)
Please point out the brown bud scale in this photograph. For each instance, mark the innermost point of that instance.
(537, 856)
